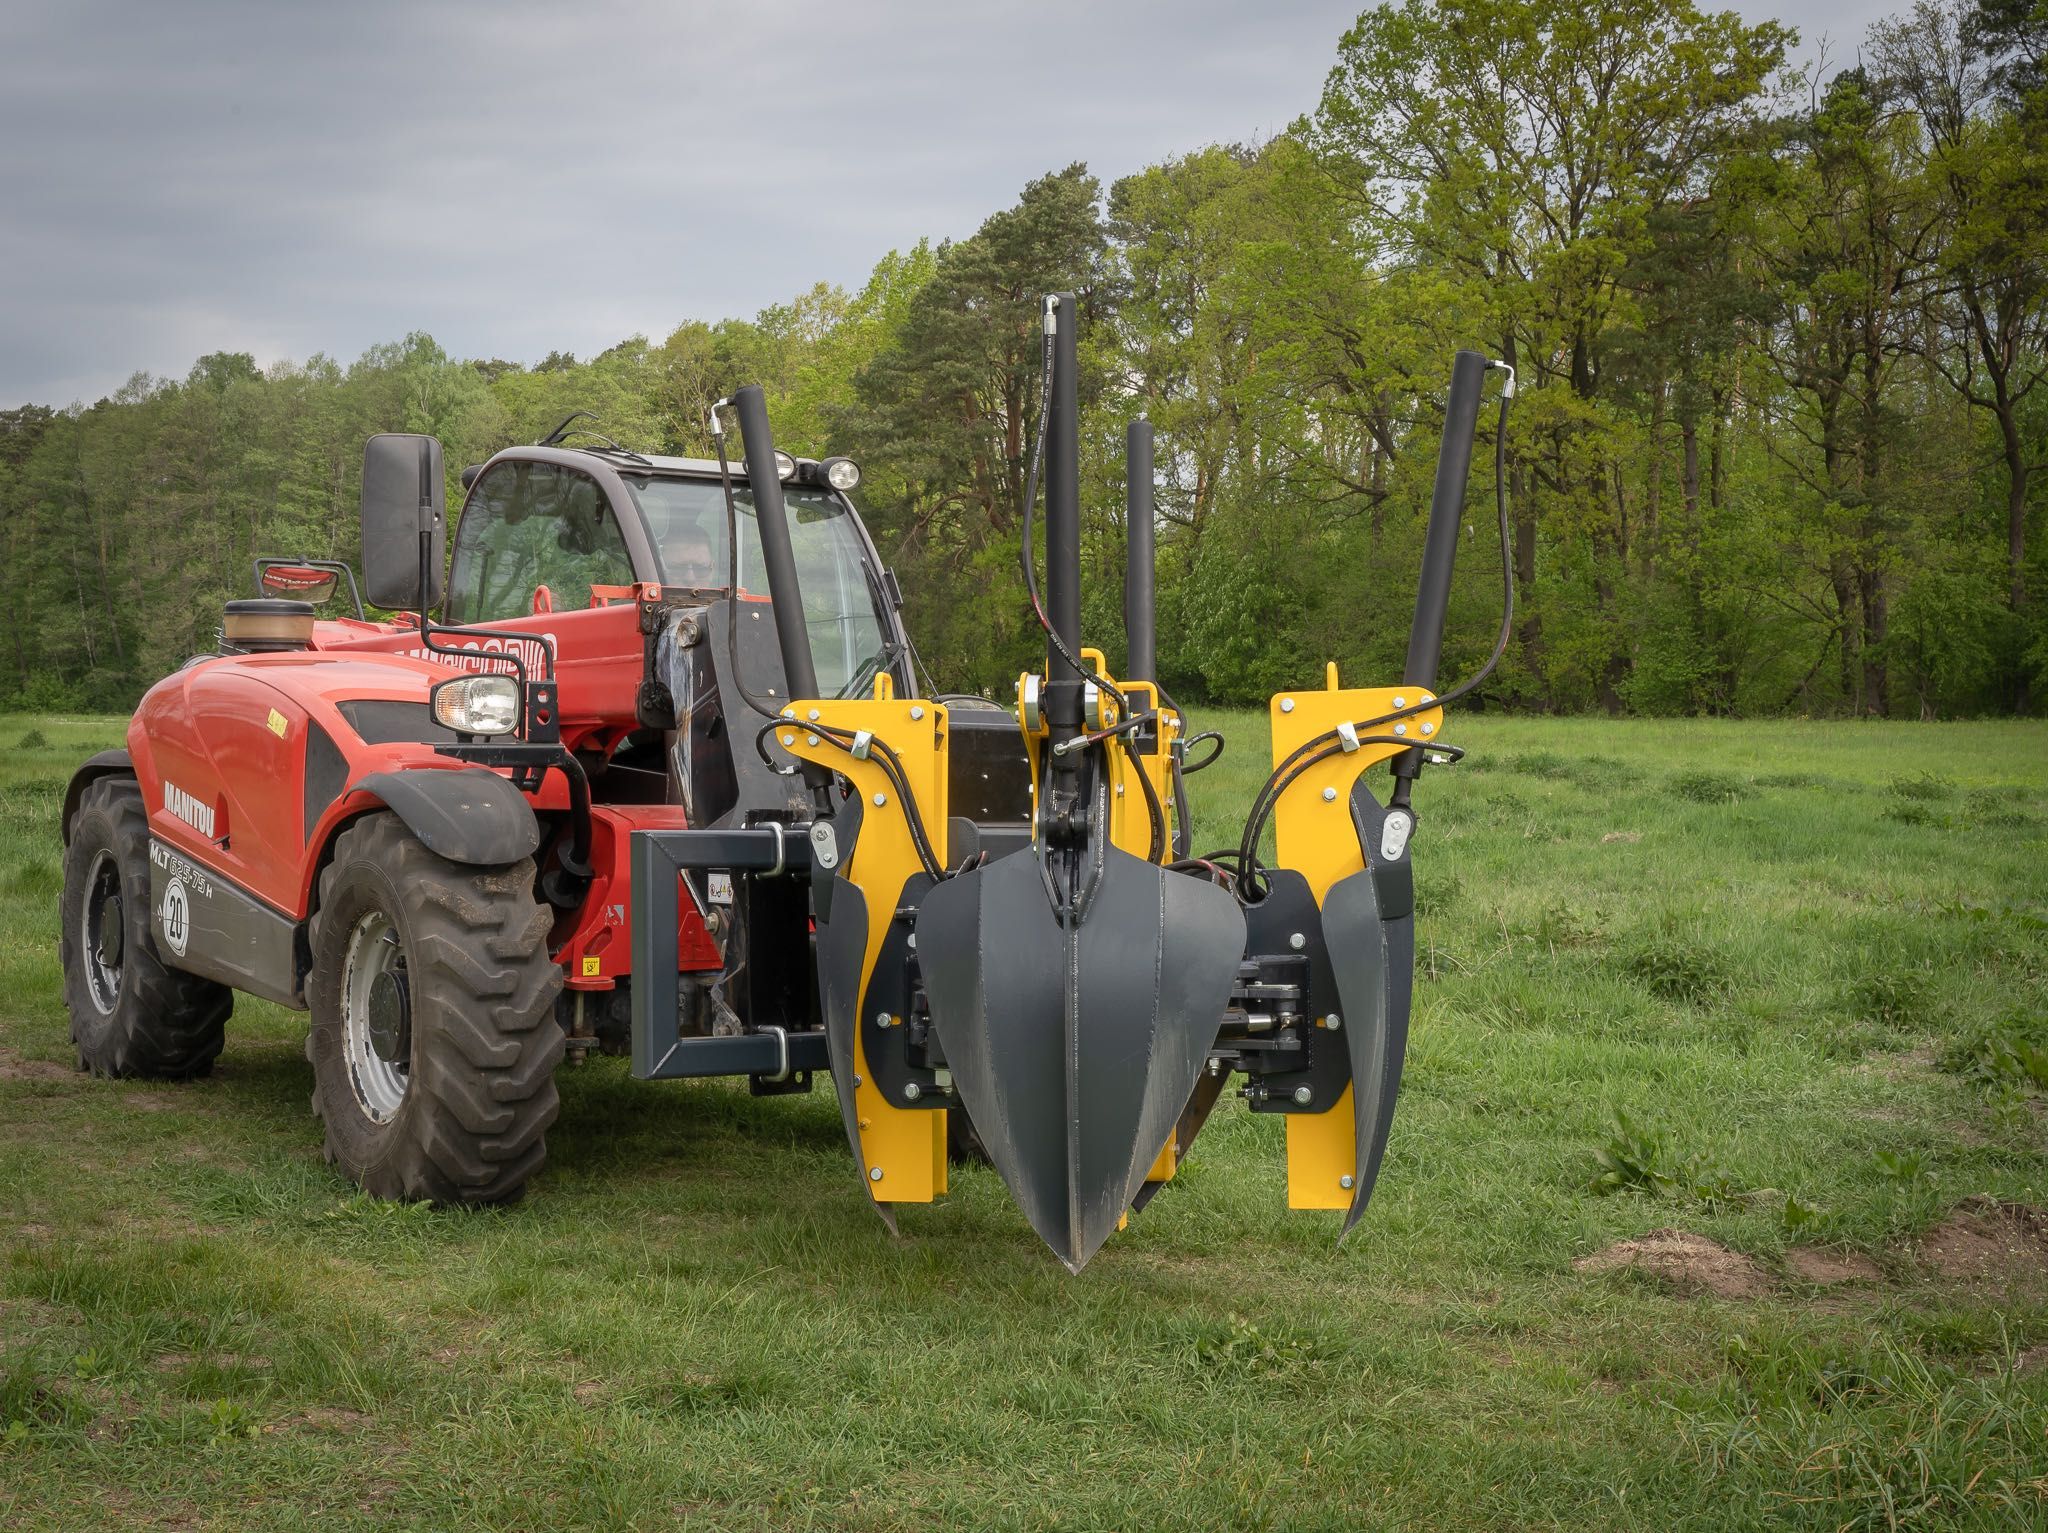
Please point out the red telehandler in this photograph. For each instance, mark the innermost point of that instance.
(651, 771)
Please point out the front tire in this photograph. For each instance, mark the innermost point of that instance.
(433, 1039)
(131, 1013)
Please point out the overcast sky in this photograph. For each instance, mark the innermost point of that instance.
(285, 179)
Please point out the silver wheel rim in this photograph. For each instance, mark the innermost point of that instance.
(379, 1084)
(100, 942)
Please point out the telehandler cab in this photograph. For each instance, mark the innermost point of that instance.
(662, 779)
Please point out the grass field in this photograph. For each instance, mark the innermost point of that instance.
(1807, 962)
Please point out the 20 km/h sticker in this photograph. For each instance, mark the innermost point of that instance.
(175, 916)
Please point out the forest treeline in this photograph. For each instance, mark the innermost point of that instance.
(1779, 443)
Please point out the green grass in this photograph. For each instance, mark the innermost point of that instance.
(1806, 965)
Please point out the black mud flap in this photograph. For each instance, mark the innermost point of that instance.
(1076, 1050)
(842, 952)
(1369, 930)
(1376, 1036)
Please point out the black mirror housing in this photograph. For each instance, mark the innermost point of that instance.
(404, 495)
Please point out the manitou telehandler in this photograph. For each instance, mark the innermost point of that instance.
(652, 771)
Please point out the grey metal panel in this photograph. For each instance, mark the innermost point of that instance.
(657, 909)
(208, 926)
(739, 1054)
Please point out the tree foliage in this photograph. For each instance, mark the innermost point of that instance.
(1779, 442)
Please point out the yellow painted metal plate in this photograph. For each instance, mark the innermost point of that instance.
(907, 1144)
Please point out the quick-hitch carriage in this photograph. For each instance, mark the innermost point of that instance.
(1078, 989)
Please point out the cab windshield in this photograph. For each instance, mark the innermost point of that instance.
(686, 523)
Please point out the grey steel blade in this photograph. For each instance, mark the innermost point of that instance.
(1373, 959)
(842, 951)
(992, 955)
(1075, 1052)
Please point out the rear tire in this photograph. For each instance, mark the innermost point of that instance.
(131, 1013)
(434, 1042)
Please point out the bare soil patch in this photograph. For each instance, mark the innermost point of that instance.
(1990, 1246)
(13, 1067)
(1811, 1264)
(323, 1418)
(1690, 1263)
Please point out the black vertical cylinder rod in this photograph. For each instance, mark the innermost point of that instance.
(1440, 547)
(1063, 523)
(1446, 512)
(764, 485)
(1141, 629)
(785, 594)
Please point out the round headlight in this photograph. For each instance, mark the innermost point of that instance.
(841, 473)
(477, 705)
(785, 466)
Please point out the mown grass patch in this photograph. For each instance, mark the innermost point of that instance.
(1812, 1015)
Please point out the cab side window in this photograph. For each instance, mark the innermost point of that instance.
(528, 525)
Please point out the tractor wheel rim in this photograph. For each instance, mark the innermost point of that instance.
(102, 934)
(374, 952)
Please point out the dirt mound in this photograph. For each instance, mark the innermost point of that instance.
(1989, 1245)
(1811, 1264)
(1690, 1263)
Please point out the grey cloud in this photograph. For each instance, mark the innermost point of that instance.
(285, 179)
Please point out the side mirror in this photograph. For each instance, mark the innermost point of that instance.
(404, 496)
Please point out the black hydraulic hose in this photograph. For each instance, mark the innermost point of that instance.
(892, 768)
(1287, 771)
(1318, 750)
(1154, 811)
(577, 859)
(1183, 830)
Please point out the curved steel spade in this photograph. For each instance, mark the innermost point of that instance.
(1074, 1049)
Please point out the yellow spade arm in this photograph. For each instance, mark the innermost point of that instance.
(1313, 835)
(907, 1145)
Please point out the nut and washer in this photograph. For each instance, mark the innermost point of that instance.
(881, 799)
(1333, 1022)
(1303, 1096)
(875, 1174)
(1345, 1181)
(1287, 705)
(1296, 941)
(917, 713)
(912, 1091)
(1329, 795)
